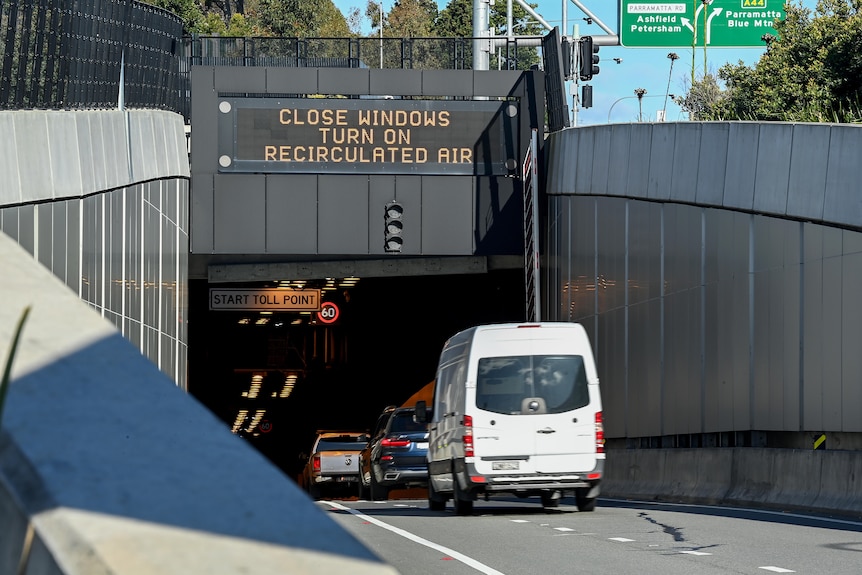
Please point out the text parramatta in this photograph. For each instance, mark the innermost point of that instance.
(718, 24)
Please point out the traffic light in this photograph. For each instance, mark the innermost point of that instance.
(588, 58)
(587, 97)
(394, 226)
(568, 53)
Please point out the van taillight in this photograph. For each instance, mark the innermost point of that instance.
(600, 433)
(315, 463)
(468, 436)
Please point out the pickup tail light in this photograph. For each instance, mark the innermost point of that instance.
(315, 463)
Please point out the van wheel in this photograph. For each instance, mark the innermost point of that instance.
(583, 502)
(378, 492)
(436, 502)
(462, 501)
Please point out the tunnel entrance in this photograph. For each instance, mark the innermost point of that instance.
(276, 378)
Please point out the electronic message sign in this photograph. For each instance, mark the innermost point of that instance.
(374, 136)
(687, 23)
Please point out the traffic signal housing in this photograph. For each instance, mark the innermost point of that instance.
(568, 56)
(588, 58)
(393, 226)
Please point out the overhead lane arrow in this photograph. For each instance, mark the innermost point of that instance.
(687, 23)
(715, 12)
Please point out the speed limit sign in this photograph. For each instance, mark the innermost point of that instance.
(328, 312)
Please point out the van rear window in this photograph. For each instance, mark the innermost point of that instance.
(531, 384)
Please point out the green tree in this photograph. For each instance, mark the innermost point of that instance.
(811, 71)
(354, 21)
(456, 21)
(298, 18)
(214, 25)
(332, 23)
(701, 97)
(411, 19)
(189, 11)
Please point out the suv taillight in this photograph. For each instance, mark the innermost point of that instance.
(468, 436)
(315, 463)
(386, 442)
(600, 433)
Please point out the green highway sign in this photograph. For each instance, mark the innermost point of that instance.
(686, 23)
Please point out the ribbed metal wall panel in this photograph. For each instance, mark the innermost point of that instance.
(801, 171)
(711, 262)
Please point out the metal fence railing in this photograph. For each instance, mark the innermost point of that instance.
(69, 54)
(76, 54)
(400, 53)
(405, 53)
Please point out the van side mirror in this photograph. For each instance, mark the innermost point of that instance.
(421, 415)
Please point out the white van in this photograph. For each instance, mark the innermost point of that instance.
(516, 410)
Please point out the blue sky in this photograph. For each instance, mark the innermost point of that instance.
(614, 87)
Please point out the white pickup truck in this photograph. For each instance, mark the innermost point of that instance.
(334, 462)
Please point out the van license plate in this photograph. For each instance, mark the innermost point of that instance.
(505, 465)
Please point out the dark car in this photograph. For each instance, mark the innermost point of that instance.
(395, 458)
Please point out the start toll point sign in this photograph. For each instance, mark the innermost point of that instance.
(698, 23)
(266, 299)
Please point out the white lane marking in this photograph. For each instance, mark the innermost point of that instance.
(776, 569)
(563, 529)
(519, 521)
(695, 553)
(481, 567)
(737, 509)
(621, 539)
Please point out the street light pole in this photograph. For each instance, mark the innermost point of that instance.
(380, 26)
(673, 56)
(617, 101)
(639, 92)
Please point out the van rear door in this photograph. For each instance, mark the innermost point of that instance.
(536, 412)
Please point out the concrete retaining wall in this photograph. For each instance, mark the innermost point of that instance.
(787, 479)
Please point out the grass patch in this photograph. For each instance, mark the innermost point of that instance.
(7, 370)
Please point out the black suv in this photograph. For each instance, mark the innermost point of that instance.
(395, 458)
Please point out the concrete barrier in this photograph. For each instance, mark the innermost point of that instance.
(106, 467)
(784, 479)
(840, 481)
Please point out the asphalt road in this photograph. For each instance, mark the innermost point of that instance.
(518, 537)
